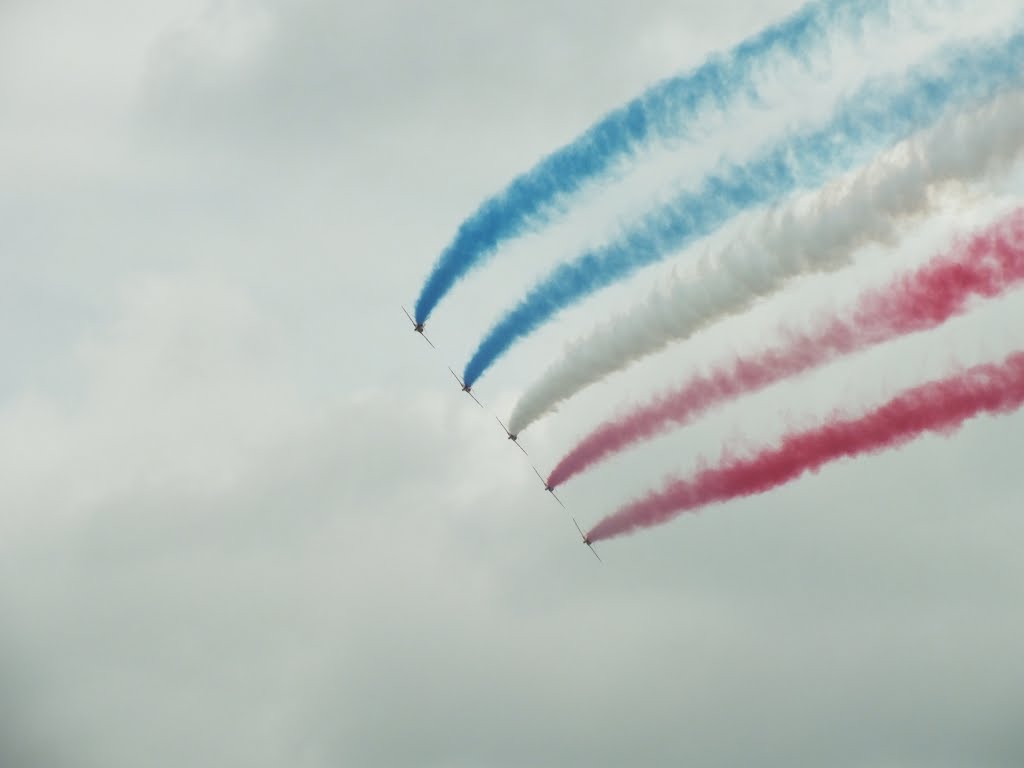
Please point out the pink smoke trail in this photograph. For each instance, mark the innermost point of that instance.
(939, 406)
(984, 266)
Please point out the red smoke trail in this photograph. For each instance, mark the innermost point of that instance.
(939, 406)
(983, 266)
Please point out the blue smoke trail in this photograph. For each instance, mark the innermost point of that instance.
(879, 114)
(666, 110)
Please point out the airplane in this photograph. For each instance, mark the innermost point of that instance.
(547, 487)
(418, 327)
(466, 388)
(513, 438)
(587, 541)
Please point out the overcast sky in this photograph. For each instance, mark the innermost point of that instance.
(246, 517)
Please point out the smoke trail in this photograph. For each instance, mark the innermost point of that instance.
(879, 114)
(813, 235)
(667, 109)
(939, 406)
(983, 267)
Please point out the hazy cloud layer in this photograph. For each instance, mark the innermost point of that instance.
(246, 519)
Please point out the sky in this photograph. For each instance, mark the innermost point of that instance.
(246, 516)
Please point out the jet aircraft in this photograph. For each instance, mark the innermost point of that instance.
(418, 327)
(547, 487)
(513, 438)
(586, 540)
(466, 388)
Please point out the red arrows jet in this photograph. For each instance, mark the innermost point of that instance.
(547, 487)
(466, 388)
(513, 438)
(586, 540)
(418, 327)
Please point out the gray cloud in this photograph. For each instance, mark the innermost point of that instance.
(246, 520)
(350, 591)
(331, 72)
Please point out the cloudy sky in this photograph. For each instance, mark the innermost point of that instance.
(246, 518)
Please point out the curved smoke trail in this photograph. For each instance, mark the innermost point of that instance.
(816, 235)
(985, 266)
(667, 109)
(939, 407)
(878, 115)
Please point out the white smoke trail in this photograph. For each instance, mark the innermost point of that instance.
(815, 234)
